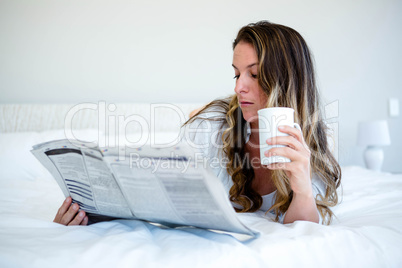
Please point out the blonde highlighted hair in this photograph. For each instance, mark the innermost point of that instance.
(286, 75)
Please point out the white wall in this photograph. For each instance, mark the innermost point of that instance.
(180, 51)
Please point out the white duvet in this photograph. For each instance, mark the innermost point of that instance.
(366, 233)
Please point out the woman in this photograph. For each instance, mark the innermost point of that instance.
(273, 68)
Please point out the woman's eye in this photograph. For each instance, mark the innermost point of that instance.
(237, 76)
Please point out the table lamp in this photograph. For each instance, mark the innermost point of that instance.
(373, 134)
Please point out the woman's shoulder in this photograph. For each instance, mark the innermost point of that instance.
(218, 107)
(204, 130)
(211, 115)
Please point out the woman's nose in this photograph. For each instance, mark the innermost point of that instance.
(241, 86)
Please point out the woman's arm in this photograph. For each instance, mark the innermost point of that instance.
(302, 206)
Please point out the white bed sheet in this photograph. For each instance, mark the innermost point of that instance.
(366, 233)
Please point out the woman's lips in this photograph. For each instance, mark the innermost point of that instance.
(245, 103)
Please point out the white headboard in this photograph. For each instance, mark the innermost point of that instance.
(104, 116)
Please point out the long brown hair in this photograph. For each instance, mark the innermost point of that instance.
(286, 75)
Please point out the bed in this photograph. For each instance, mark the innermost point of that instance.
(367, 230)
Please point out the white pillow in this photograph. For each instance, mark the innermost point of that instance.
(16, 160)
(18, 163)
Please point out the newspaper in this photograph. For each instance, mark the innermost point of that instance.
(161, 185)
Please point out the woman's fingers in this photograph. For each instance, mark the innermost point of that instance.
(283, 166)
(292, 131)
(290, 153)
(79, 218)
(284, 152)
(285, 140)
(70, 214)
(63, 209)
(295, 139)
(84, 221)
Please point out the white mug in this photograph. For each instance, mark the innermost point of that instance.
(269, 119)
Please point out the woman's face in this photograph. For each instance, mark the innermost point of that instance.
(249, 93)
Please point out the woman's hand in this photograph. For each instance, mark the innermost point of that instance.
(298, 170)
(302, 206)
(69, 215)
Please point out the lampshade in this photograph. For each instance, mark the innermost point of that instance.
(373, 133)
